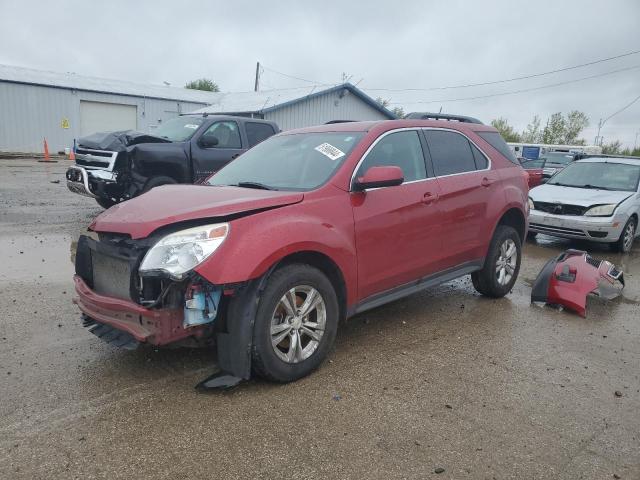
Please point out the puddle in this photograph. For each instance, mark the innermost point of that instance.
(36, 257)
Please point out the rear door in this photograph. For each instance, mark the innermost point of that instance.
(465, 181)
(214, 147)
(396, 228)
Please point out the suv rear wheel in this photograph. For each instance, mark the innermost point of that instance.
(502, 264)
(296, 323)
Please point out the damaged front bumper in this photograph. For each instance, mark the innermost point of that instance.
(569, 278)
(89, 182)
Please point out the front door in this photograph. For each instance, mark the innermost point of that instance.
(215, 147)
(396, 228)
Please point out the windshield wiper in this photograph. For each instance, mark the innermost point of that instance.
(260, 186)
(593, 187)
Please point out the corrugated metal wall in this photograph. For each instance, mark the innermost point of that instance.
(322, 109)
(29, 113)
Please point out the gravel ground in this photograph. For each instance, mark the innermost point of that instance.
(443, 380)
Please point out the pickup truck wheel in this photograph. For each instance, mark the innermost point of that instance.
(502, 264)
(105, 202)
(157, 181)
(295, 325)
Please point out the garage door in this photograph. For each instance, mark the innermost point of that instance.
(104, 117)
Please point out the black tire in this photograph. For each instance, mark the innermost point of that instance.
(105, 202)
(265, 362)
(156, 182)
(485, 281)
(621, 245)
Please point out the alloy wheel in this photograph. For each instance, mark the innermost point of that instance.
(629, 234)
(506, 262)
(298, 324)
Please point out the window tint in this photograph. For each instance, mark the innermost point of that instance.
(450, 152)
(538, 163)
(400, 149)
(226, 133)
(496, 141)
(257, 132)
(481, 160)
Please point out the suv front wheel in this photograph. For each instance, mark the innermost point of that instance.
(295, 325)
(502, 264)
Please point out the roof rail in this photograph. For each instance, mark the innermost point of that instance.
(331, 122)
(442, 116)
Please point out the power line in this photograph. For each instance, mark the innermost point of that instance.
(622, 109)
(468, 85)
(513, 92)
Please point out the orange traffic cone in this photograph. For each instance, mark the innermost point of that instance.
(47, 158)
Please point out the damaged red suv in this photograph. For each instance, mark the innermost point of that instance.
(306, 229)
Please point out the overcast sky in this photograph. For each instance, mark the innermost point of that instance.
(381, 44)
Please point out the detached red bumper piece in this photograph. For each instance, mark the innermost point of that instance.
(568, 279)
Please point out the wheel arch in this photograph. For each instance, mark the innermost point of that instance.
(514, 217)
(326, 265)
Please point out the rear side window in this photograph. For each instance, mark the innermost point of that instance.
(257, 132)
(450, 152)
(496, 141)
(481, 160)
(400, 149)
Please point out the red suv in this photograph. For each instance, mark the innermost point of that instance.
(307, 228)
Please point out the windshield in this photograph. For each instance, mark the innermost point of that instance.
(178, 129)
(301, 161)
(557, 158)
(603, 176)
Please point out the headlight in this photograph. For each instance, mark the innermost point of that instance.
(601, 211)
(531, 205)
(180, 252)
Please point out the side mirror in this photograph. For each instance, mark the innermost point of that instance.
(207, 142)
(377, 177)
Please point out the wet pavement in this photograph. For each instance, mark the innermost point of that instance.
(444, 379)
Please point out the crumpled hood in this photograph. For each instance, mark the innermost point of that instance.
(169, 204)
(583, 197)
(118, 141)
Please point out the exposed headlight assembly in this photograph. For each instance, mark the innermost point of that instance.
(531, 205)
(601, 211)
(180, 252)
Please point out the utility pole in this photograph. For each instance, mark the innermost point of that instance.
(598, 139)
(257, 84)
(635, 142)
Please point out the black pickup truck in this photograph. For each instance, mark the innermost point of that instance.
(115, 166)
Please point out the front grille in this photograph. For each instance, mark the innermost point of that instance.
(95, 153)
(80, 160)
(560, 208)
(593, 261)
(551, 230)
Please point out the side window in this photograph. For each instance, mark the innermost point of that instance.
(537, 163)
(450, 152)
(257, 132)
(226, 134)
(481, 160)
(496, 141)
(400, 149)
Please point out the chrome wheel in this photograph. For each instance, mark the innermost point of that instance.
(629, 234)
(506, 263)
(298, 324)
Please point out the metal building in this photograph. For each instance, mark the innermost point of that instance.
(62, 107)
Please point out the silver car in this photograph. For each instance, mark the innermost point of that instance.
(593, 199)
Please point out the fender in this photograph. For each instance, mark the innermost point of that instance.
(256, 242)
(153, 159)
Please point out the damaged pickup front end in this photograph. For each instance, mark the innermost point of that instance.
(573, 275)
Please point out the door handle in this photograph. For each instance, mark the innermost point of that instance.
(429, 197)
(486, 182)
(235, 155)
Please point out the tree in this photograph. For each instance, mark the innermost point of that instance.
(398, 112)
(533, 133)
(554, 131)
(382, 102)
(507, 131)
(612, 148)
(203, 84)
(575, 123)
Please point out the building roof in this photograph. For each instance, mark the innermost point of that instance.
(269, 100)
(218, 102)
(71, 80)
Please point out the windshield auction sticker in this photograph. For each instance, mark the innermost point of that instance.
(191, 125)
(330, 151)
